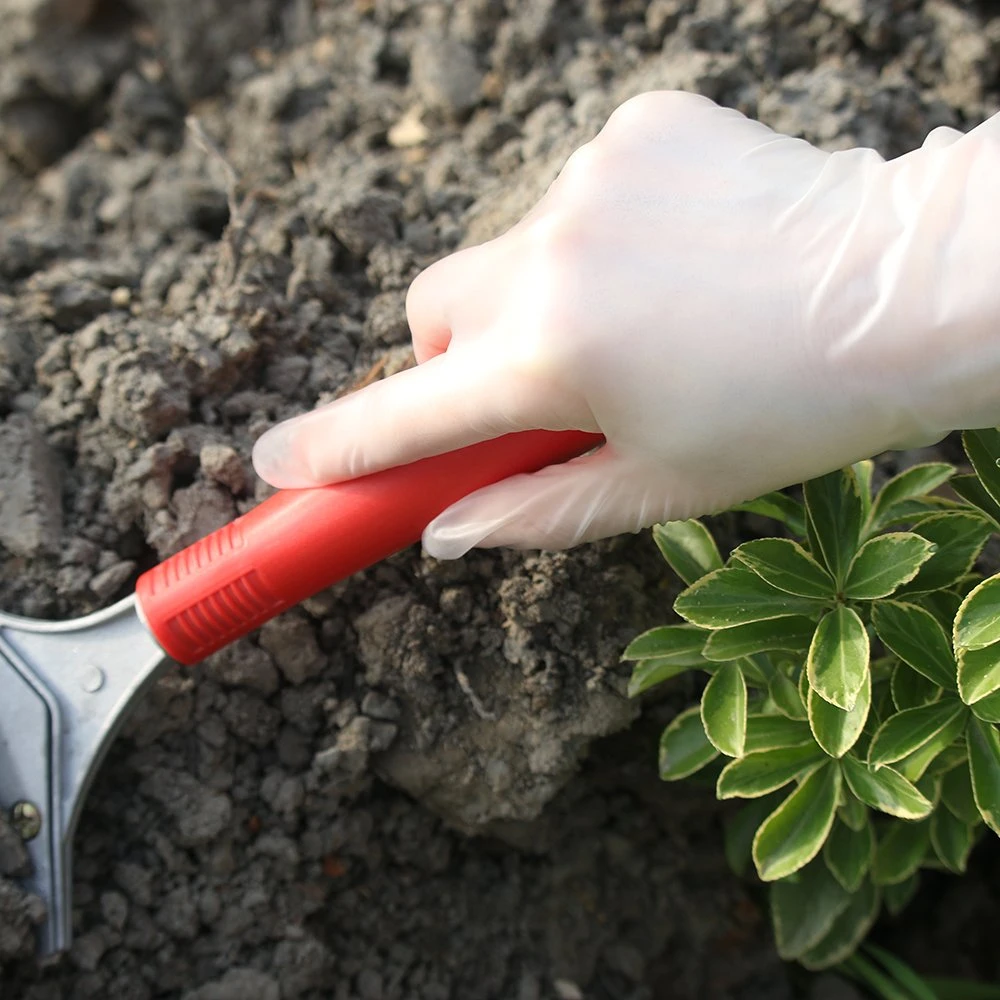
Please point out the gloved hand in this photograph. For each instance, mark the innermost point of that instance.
(735, 310)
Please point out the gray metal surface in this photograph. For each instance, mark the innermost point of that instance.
(64, 691)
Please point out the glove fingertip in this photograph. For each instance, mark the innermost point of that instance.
(450, 537)
(275, 462)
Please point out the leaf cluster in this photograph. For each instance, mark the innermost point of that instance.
(853, 689)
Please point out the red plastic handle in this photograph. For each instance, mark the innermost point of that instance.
(299, 542)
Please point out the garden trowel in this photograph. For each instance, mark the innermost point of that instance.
(65, 686)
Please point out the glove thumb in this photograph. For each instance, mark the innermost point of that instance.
(562, 505)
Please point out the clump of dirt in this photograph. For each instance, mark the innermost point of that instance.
(210, 216)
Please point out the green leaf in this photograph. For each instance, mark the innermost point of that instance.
(900, 850)
(940, 723)
(885, 563)
(735, 596)
(848, 930)
(853, 812)
(954, 756)
(913, 482)
(898, 897)
(768, 732)
(834, 514)
(978, 673)
(786, 565)
(916, 986)
(912, 512)
(914, 765)
(684, 747)
(724, 710)
(878, 982)
(956, 794)
(803, 683)
(794, 833)
(983, 448)
(885, 790)
(663, 653)
(836, 731)
(962, 989)
(688, 548)
(757, 668)
(882, 707)
(785, 634)
(779, 507)
(984, 765)
(760, 773)
(881, 669)
(864, 473)
(679, 643)
(929, 786)
(917, 638)
(911, 689)
(970, 489)
(943, 605)
(848, 854)
(988, 708)
(977, 623)
(958, 537)
(803, 909)
(649, 673)
(837, 663)
(952, 840)
(785, 695)
(740, 829)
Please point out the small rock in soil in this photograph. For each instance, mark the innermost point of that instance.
(291, 641)
(445, 74)
(223, 464)
(110, 581)
(238, 984)
(246, 665)
(201, 815)
(20, 914)
(30, 492)
(15, 862)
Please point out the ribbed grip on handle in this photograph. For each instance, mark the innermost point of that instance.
(299, 542)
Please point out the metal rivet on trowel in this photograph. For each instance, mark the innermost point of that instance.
(26, 820)
(92, 679)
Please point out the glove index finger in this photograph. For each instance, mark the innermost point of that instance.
(452, 400)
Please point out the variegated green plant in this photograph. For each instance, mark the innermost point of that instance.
(853, 689)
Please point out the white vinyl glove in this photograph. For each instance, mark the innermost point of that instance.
(734, 310)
